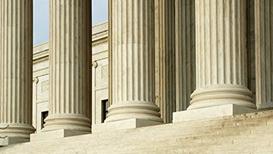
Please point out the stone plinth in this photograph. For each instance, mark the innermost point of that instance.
(210, 113)
(123, 124)
(54, 134)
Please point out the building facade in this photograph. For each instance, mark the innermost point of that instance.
(198, 65)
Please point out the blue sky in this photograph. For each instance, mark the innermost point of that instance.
(41, 15)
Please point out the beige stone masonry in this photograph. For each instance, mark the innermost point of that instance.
(264, 53)
(221, 58)
(210, 113)
(54, 134)
(122, 124)
(165, 58)
(15, 71)
(185, 52)
(221, 61)
(133, 61)
(243, 134)
(70, 67)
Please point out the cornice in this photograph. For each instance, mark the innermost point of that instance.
(99, 36)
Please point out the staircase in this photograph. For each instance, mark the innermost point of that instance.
(244, 134)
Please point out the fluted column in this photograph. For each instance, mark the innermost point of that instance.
(250, 5)
(165, 57)
(185, 52)
(15, 70)
(70, 42)
(221, 58)
(133, 65)
(264, 52)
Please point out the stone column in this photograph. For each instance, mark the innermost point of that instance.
(221, 58)
(185, 52)
(15, 71)
(264, 53)
(133, 62)
(251, 55)
(165, 58)
(70, 54)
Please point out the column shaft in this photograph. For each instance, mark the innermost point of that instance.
(264, 52)
(185, 52)
(251, 55)
(133, 61)
(221, 58)
(70, 42)
(16, 69)
(165, 58)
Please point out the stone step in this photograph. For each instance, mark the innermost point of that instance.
(249, 133)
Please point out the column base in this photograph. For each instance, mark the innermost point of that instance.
(63, 125)
(123, 124)
(210, 112)
(73, 122)
(14, 133)
(266, 106)
(55, 134)
(217, 95)
(133, 110)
